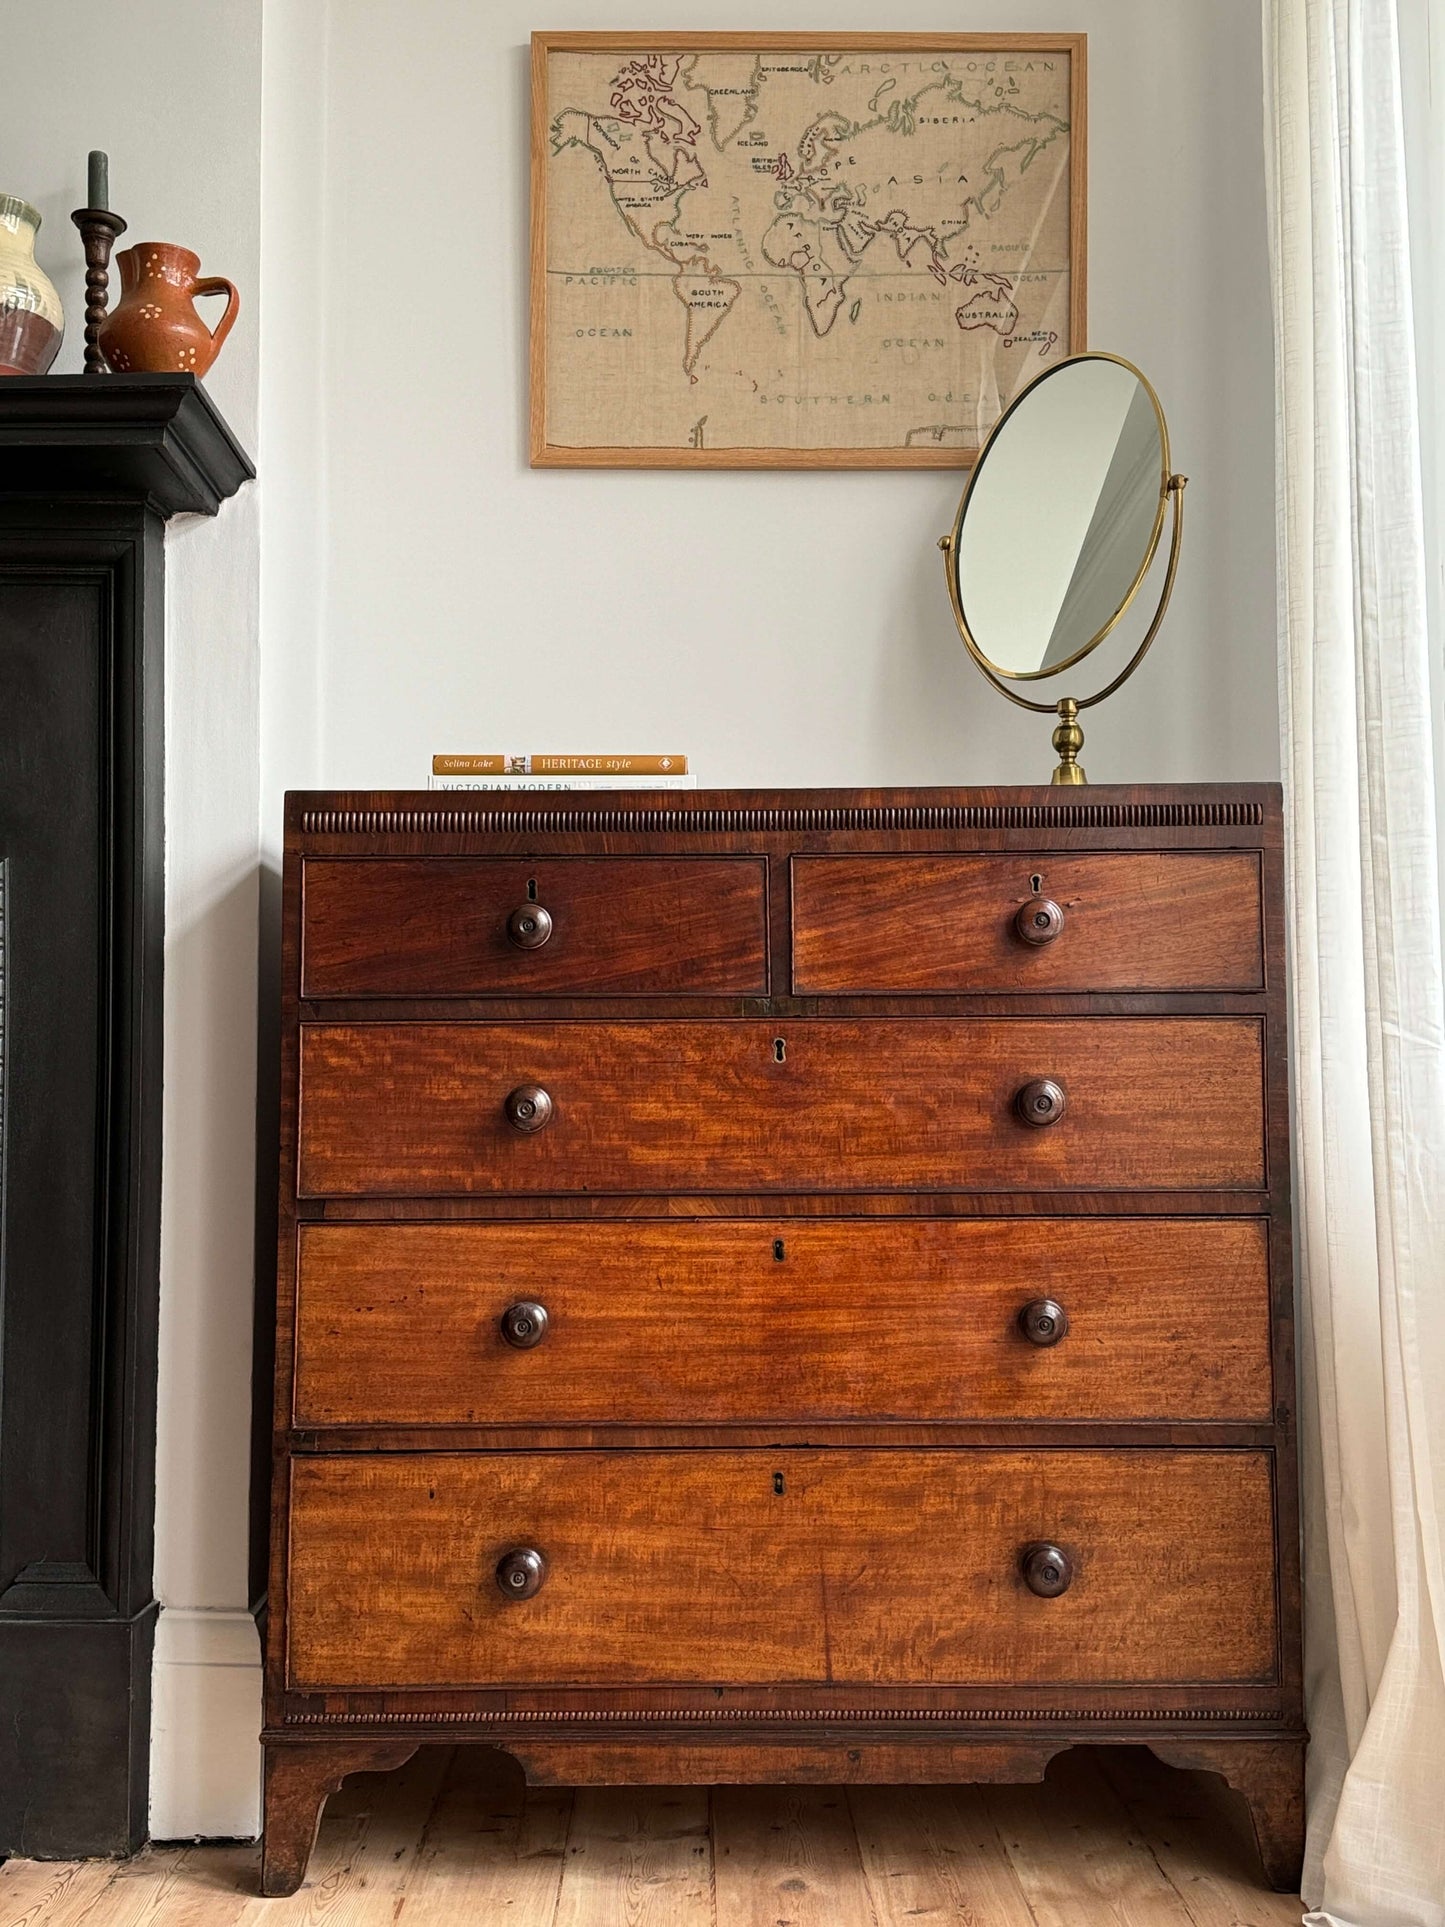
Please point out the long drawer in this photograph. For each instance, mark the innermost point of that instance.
(1124, 921)
(723, 1321)
(575, 926)
(813, 1105)
(907, 1566)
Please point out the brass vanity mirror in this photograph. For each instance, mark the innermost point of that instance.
(1058, 527)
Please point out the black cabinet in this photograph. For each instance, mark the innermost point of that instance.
(90, 468)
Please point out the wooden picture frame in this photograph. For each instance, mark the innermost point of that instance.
(954, 445)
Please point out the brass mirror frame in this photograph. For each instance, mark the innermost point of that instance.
(1068, 738)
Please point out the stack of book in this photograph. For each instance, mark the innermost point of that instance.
(457, 772)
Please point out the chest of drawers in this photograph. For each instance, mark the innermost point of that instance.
(787, 1286)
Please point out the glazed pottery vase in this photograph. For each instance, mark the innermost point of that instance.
(154, 328)
(31, 320)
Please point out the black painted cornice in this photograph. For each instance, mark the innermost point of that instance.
(154, 438)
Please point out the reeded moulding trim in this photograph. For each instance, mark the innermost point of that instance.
(681, 820)
(795, 1716)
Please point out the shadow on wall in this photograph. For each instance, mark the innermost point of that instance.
(206, 1259)
(929, 694)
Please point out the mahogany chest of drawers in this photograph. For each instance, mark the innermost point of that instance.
(787, 1286)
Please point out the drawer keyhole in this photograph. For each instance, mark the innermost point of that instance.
(780, 1250)
(780, 1051)
(779, 1484)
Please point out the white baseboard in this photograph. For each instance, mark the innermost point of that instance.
(205, 1726)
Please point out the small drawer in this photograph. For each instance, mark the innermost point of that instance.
(1127, 922)
(544, 926)
(914, 1567)
(738, 1106)
(802, 1320)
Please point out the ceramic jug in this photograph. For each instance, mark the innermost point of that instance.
(31, 321)
(154, 328)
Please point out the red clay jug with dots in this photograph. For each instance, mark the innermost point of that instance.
(154, 327)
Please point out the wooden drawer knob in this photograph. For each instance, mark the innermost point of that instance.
(524, 1324)
(1047, 1570)
(1041, 1102)
(529, 1108)
(1039, 921)
(520, 1572)
(1044, 1321)
(529, 926)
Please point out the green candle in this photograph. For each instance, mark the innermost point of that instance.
(98, 192)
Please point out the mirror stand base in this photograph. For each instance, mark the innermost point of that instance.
(1068, 741)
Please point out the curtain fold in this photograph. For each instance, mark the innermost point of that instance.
(1363, 808)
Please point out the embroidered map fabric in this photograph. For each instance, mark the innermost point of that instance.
(786, 250)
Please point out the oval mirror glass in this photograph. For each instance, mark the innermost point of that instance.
(1061, 517)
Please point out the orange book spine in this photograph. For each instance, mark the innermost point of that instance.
(559, 765)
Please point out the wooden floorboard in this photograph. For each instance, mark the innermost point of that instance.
(493, 1851)
(933, 1853)
(637, 1857)
(1200, 1833)
(1111, 1839)
(1078, 1855)
(788, 1854)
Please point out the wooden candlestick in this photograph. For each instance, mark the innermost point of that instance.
(99, 230)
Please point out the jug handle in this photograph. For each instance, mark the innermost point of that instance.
(218, 284)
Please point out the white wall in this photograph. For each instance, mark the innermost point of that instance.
(171, 89)
(364, 167)
(471, 603)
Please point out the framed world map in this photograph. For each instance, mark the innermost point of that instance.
(792, 250)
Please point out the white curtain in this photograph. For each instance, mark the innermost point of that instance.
(1350, 153)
